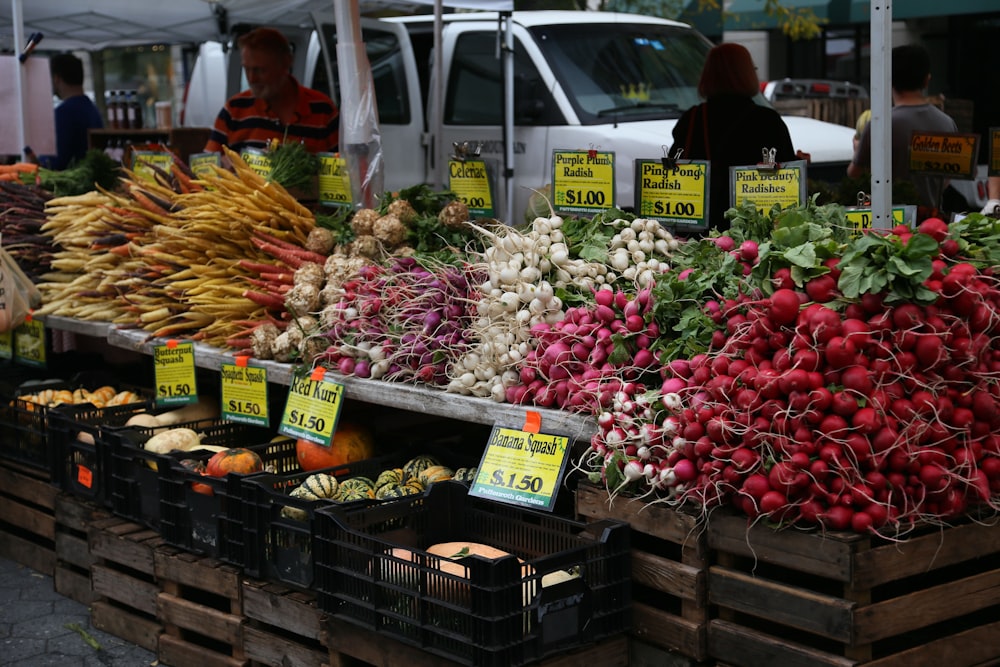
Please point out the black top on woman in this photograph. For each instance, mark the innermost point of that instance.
(729, 128)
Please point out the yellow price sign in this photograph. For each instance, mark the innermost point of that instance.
(784, 185)
(861, 218)
(29, 343)
(174, 373)
(334, 180)
(244, 393)
(202, 164)
(6, 344)
(313, 408)
(583, 181)
(144, 162)
(949, 154)
(258, 161)
(469, 180)
(521, 468)
(673, 195)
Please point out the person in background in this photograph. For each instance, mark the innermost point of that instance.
(864, 118)
(729, 128)
(277, 106)
(993, 192)
(911, 112)
(75, 114)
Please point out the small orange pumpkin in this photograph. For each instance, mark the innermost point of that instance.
(351, 442)
(196, 466)
(234, 459)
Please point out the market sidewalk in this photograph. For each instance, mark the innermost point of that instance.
(41, 627)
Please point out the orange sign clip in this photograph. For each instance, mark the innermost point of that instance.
(28, 318)
(317, 374)
(172, 344)
(241, 360)
(532, 422)
(85, 477)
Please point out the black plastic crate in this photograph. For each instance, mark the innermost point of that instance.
(24, 424)
(373, 570)
(135, 484)
(200, 513)
(277, 547)
(81, 458)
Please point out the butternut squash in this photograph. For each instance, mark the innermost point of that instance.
(205, 408)
(172, 440)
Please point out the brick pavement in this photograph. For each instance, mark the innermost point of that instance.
(38, 627)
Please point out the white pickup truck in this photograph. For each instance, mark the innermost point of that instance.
(613, 82)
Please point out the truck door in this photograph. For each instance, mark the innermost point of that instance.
(473, 107)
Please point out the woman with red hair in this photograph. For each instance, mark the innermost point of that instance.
(729, 128)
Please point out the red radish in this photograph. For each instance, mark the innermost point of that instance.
(724, 243)
(833, 263)
(748, 251)
(837, 517)
(684, 471)
(857, 379)
(782, 278)
(841, 352)
(775, 505)
(756, 486)
(822, 289)
(936, 228)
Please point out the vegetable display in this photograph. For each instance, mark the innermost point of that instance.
(794, 369)
(858, 395)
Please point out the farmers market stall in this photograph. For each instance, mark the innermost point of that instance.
(772, 441)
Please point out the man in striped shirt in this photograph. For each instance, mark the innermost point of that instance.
(276, 106)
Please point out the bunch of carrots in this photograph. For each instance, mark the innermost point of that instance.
(21, 172)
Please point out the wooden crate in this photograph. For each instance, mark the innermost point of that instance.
(73, 558)
(201, 607)
(124, 580)
(348, 641)
(27, 517)
(669, 572)
(794, 598)
(283, 627)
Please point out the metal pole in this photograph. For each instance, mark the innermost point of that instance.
(508, 118)
(359, 142)
(439, 153)
(881, 96)
(18, 19)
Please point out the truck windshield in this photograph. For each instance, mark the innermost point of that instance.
(625, 71)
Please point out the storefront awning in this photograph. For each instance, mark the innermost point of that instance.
(750, 14)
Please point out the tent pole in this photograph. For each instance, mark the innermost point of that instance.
(359, 141)
(881, 132)
(17, 17)
(508, 119)
(438, 92)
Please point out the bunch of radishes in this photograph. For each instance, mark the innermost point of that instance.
(404, 322)
(583, 361)
(874, 418)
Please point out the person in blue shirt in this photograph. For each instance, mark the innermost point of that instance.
(76, 114)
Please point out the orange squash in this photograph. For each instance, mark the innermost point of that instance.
(196, 466)
(351, 442)
(234, 459)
